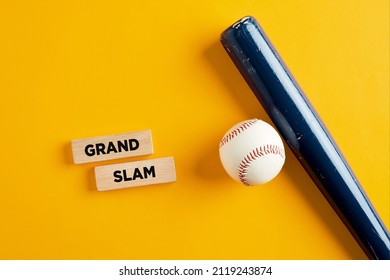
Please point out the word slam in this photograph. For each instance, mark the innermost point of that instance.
(134, 174)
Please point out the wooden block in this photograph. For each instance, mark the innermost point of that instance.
(114, 146)
(134, 174)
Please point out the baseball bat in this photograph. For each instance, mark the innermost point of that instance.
(305, 133)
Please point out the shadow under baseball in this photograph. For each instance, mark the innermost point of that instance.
(239, 90)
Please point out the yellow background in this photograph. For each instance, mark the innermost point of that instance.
(75, 69)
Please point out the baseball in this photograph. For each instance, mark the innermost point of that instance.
(252, 152)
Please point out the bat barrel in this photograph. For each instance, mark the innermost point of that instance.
(299, 124)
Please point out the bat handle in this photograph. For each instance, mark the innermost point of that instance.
(299, 124)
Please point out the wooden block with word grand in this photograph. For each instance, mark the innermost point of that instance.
(114, 146)
(134, 174)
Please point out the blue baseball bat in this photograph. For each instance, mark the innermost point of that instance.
(305, 133)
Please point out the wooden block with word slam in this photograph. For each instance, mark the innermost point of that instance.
(114, 146)
(135, 174)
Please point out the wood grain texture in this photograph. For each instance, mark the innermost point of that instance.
(114, 146)
(134, 174)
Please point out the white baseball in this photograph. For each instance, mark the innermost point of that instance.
(252, 152)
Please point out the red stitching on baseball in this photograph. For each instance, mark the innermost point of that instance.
(245, 125)
(252, 156)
